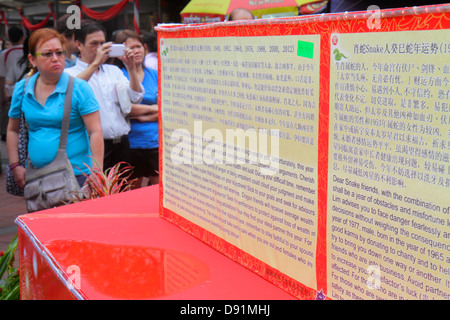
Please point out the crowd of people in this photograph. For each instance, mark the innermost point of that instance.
(114, 114)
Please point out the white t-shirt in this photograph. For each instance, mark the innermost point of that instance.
(9, 68)
(151, 61)
(12, 54)
(103, 83)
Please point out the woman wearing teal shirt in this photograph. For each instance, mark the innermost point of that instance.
(41, 100)
(144, 134)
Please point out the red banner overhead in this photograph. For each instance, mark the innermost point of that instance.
(39, 25)
(105, 15)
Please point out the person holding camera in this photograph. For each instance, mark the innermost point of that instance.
(106, 80)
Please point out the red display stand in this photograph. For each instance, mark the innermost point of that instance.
(354, 206)
(118, 247)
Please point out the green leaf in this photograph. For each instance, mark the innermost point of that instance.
(10, 288)
(13, 293)
(6, 259)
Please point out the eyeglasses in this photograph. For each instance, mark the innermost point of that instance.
(48, 55)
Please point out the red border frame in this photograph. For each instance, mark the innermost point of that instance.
(418, 18)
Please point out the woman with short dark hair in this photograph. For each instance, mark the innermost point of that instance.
(143, 136)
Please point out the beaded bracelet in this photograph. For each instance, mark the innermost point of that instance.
(14, 165)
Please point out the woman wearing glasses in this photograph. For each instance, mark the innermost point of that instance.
(40, 98)
(143, 136)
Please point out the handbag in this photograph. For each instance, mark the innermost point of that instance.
(11, 186)
(55, 184)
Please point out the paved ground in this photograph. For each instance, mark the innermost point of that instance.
(10, 206)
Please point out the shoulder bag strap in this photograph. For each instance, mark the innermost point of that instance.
(9, 51)
(66, 117)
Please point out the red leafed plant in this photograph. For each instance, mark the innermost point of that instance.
(103, 183)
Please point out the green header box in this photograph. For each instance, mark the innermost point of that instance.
(305, 49)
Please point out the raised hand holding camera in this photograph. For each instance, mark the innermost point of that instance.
(117, 50)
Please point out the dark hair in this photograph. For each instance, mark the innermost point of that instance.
(15, 34)
(24, 59)
(87, 27)
(4, 43)
(151, 41)
(124, 35)
(26, 51)
(61, 26)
